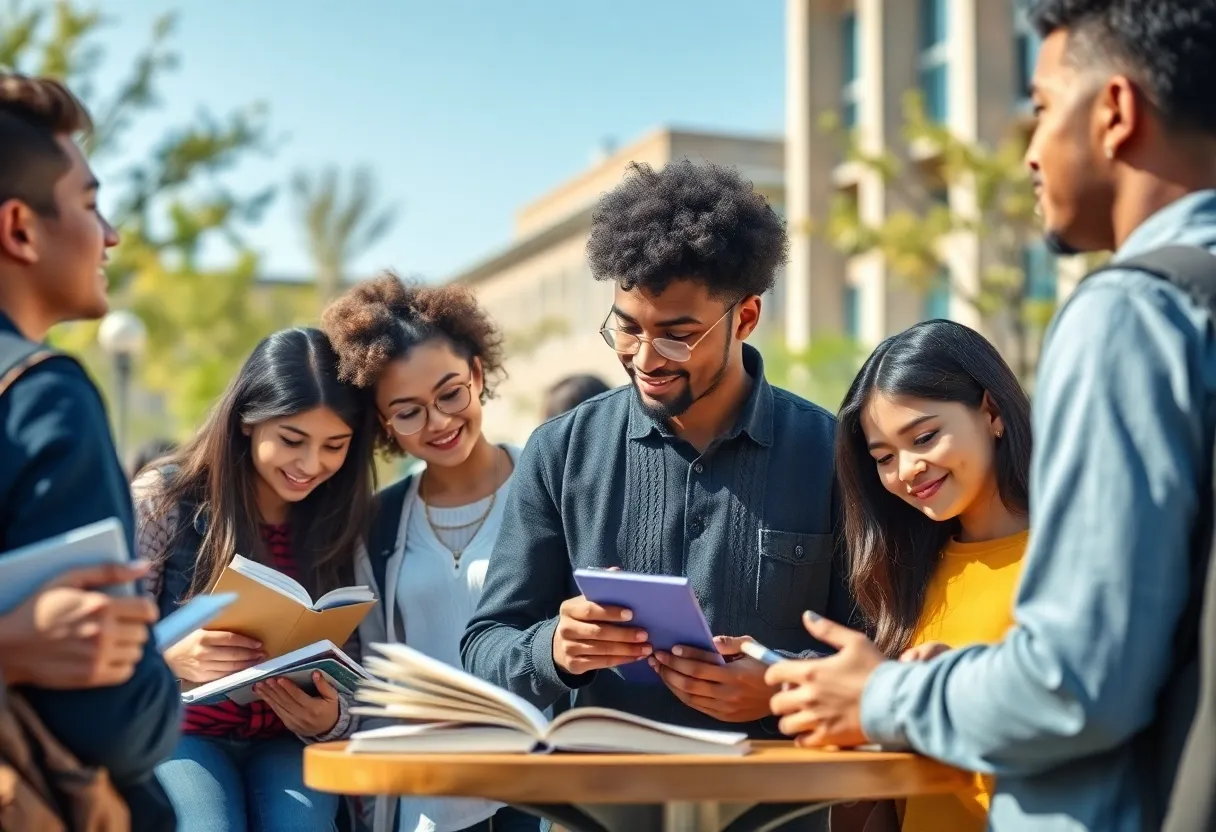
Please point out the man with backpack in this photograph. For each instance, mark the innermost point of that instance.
(1082, 710)
(110, 701)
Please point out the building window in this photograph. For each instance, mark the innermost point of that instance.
(851, 71)
(935, 58)
(1026, 53)
(1040, 272)
(852, 312)
(937, 298)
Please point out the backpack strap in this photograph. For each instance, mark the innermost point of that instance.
(20, 365)
(382, 537)
(1160, 745)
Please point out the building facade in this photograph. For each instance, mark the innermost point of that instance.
(971, 61)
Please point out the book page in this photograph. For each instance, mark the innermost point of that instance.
(607, 717)
(344, 596)
(412, 662)
(270, 578)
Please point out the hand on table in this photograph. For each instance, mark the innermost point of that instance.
(304, 715)
(734, 692)
(591, 637)
(68, 636)
(821, 700)
(207, 655)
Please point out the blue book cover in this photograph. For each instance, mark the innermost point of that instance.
(662, 605)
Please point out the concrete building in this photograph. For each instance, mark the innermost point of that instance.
(540, 289)
(971, 61)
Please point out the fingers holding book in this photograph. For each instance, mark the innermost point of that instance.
(70, 635)
(594, 637)
(304, 715)
(206, 655)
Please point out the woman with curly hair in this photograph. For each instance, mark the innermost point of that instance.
(430, 357)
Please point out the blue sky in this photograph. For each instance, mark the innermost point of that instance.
(465, 109)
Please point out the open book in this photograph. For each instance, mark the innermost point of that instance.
(278, 611)
(450, 711)
(339, 669)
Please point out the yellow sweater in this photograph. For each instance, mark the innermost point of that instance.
(969, 601)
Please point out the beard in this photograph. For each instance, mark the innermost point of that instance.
(1058, 246)
(682, 401)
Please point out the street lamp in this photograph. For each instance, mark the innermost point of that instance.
(122, 336)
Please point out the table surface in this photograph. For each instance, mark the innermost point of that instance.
(773, 772)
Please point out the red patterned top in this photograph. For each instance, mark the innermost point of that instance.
(255, 720)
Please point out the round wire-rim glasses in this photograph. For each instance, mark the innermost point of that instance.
(451, 401)
(629, 343)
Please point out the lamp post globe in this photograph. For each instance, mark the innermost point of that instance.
(123, 336)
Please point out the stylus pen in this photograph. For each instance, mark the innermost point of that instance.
(761, 653)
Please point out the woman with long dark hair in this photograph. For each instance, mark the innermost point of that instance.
(933, 462)
(281, 472)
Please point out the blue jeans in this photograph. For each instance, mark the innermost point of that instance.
(222, 785)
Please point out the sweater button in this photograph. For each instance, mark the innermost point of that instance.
(698, 467)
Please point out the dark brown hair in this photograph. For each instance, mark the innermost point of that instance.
(380, 320)
(33, 112)
(893, 548)
(290, 372)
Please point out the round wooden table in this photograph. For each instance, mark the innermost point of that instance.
(774, 784)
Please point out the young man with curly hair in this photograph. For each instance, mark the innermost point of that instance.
(700, 467)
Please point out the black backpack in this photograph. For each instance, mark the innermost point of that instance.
(1176, 753)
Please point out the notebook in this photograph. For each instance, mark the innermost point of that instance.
(24, 570)
(339, 669)
(662, 605)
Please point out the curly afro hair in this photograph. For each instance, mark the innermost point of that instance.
(382, 319)
(698, 221)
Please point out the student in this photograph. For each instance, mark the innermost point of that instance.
(430, 357)
(933, 458)
(58, 467)
(685, 471)
(570, 392)
(1064, 709)
(280, 472)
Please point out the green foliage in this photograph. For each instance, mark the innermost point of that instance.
(821, 373)
(172, 204)
(914, 238)
(339, 223)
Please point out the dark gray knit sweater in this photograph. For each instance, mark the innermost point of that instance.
(751, 522)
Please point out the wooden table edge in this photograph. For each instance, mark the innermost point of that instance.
(773, 772)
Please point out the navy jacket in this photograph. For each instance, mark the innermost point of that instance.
(59, 471)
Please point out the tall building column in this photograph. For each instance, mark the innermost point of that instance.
(814, 292)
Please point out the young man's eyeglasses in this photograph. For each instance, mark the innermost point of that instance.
(629, 343)
(452, 400)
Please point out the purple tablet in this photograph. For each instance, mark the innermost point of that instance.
(662, 605)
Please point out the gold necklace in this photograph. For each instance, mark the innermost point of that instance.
(479, 522)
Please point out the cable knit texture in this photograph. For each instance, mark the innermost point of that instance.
(751, 522)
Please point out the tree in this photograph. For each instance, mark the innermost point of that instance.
(821, 373)
(914, 240)
(339, 224)
(172, 207)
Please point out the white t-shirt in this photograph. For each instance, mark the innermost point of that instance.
(437, 598)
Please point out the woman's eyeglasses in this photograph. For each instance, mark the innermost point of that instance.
(629, 343)
(452, 400)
